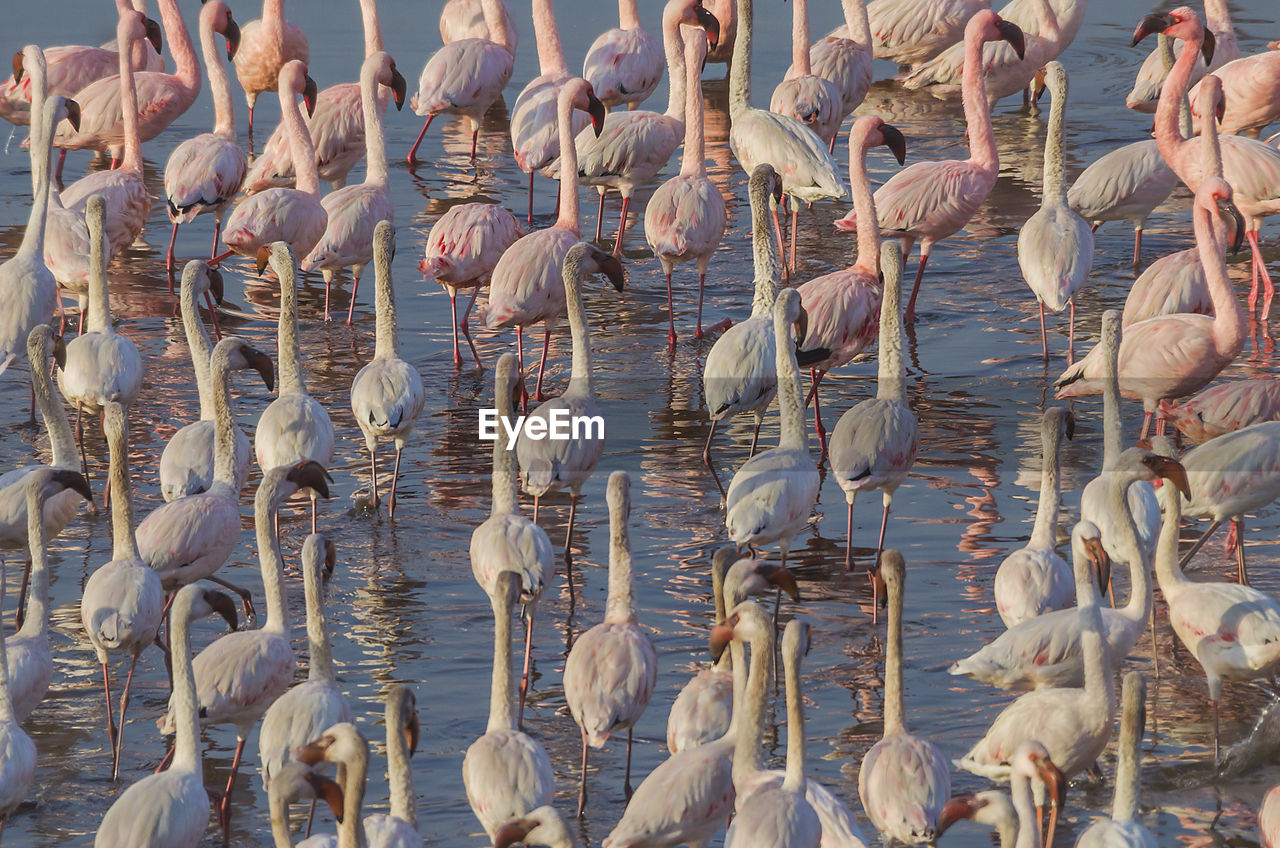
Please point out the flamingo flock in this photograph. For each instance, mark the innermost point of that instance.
(280, 682)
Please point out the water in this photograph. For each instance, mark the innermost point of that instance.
(403, 604)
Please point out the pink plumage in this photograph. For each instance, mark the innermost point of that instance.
(624, 64)
(267, 45)
(1225, 408)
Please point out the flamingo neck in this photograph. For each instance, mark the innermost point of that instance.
(1164, 45)
(33, 63)
(790, 402)
(1228, 317)
(857, 22)
(287, 347)
(372, 27)
(1169, 137)
(496, 22)
(693, 159)
(800, 64)
(129, 108)
(1045, 531)
(1168, 574)
(748, 758)
(1055, 185)
(375, 143)
(273, 19)
(568, 216)
(580, 376)
(864, 203)
(501, 711)
(717, 594)
(142, 49)
(270, 560)
(891, 374)
(99, 295)
(740, 70)
(386, 339)
(224, 110)
(124, 545)
(628, 15)
(794, 781)
(399, 771)
(977, 111)
(547, 36)
(621, 605)
(1025, 808)
(320, 649)
(41, 162)
(673, 48)
(894, 717)
(62, 441)
(1211, 159)
(301, 146)
(1047, 23)
(36, 622)
(505, 495)
(186, 744)
(351, 833)
(185, 65)
(1124, 805)
(1112, 426)
(197, 343)
(224, 427)
(764, 254)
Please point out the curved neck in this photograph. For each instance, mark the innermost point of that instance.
(977, 111)
(1168, 574)
(864, 203)
(375, 143)
(794, 780)
(129, 109)
(372, 27)
(891, 376)
(6, 697)
(199, 345)
(124, 546)
(717, 595)
(568, 216)
(1141, 591)
(501, 714)
(404, 804)
(621, 606)
(386, 339)
(1168, 134)
(693, 161)
(62, 441)
(800, 65)
(740, 70)
(224, 425)
(505, 494)
(894, 718)
(270, 560)
(580, 377)
(1055, 186)
(764, 254)
(673, 47)
(351, 833)
(186, 744)
(278, 808)
(547, 36)
(1164, 47)
(747, 754)
(1045, 532)
(1228, 317)
(318, 645)
(857, 22)
(224, 110)
(287, 348)
(1124, 807)
(300, 144)
(33, 238)
(186, 68)
(790, 403)
(37, 616)
(1025, 807)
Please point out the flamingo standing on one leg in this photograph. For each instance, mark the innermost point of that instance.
(624, 64)
(268, 44)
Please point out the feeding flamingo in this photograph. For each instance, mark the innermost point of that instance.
(1125, 829)
(268, 44)
(1015, 821)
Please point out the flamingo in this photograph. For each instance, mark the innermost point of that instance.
(1015, 822)
(295, 426)
(17, 751)
(123, 601)
(526, 285)
(399, 827)
(810, 98)
(345, 745)
(932, 200)
(726, 14)
(1249, 84)
(1172, 284)
(1094, 501)
(701, 712)
(911, 32)
(685, 218)
(903, 781)
(1224, 409)
(353, 212)
(305, 711)
(190, 538)
(28, 290)
(624, 64)
(461, 19)
(875, 442)
(204, 173)
(1148, 85)
(294, 781)
(740, 372)
(292, 215)
(507, 541)
(535, 128)
(267, 45)
(1250, 166)
(1172, 356)
(550, 464)
(336, 126)
(506, 773)
(772, 812)
(1124, 829)
(465, 77)
(611, 671)
(1034, 580)
(238, 676)
(186, 464)
(772, 494)
(461, 251)
(757, 135)
(1055, 246)
(844, 59)
(632, 147)
(170, 809)
(543, 826)
(27, 657)
(1268, 823)
(386, 395)
(1232, 630)
(1128, 183)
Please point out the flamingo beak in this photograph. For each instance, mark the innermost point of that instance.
(784, 580)
(313, 752)
(330, 557)
(1057, 786)
(512, 833)
(310, 474)
(1012, 33)
(597, 112)
(264, 256)
(777, 187)
(154, 34)
(73, 113)
(611, 267)
(261, 363)
(221, 603)
(895, 141)
(73, 480)
(959, 808)
(1228, 209)
(17, 67)
(59, 352)
(1220, 108)
(412, 730)
(1151, 24)
(216, 285)
(1210, 44)
(232, 34)
(711, 25)
(329, 791)
(1101, 564)
(309, 95)
(1069, 426)
(802, 326)
(1171, 470)
(399, 88)
(721, 636)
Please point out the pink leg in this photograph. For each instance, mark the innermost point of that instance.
(217, 260)
(777, 231)
(250, 129)
(848, 539)
(168, 257)
(524, 393)
(1044, 337)
(1137, 247)
(524, 675)
(910, 317)
(453, 310)
(355, 287)
(542, 365)
(224, 811)
(1146, 425)
(466, 328)
(622, 227)
(795, 225)
(1071, 335)
(815, 377)
(671, 315)
(217, 234)
(413, 151)
(702, 281)
(529, 217)
(475, 136)
(600, 218)
(124, 705)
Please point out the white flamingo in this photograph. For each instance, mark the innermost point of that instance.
(295, 426)
(345, 745)
(1014, 821)
(386, 395)
(399, 827)
(17, 751)
(1125, 829)
(701, 712)
(611, 671)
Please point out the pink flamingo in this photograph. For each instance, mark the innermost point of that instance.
(845, 60)
(726, 12)
(337, 126)
(1151, 76)
(461, 19)
(1252, 88)
(462, 249)
(932, 200)
(526, 286)
(634, 146)
(1172, 356)
(204, 173)
(685, 218)
(465, 78)
(1225, 409)
(809, 98)
(292, 215)
(353, 211)
(911, 32)
(123, 189)
(162, 97)
(843, 305)
(1173, 284)
(1251, 167)
(535, 133)
(267, 45)
(624, 64)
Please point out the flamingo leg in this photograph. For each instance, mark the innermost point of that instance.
(910, 316)
(1146, 426)
(164, 763)
(475, 137)
(755, 435)
(1242, 572)
(466, 326)
(542, 365)
(355, 287)
(1044, 337)
(528, 654)
(706, 450)
(529, 217)
(582, 784)
(413, 151)
(848, 538)
(815, 377)
(568, 536)
(622, 227)
(1071, 335)
(250, 134)
(246, 597)
(395, 481)
(217, 260)
(795, 225)
(537, 501)
(453, 309)
(313, 513)
(626, 781)
(373, 471)
(111, 719)
(600, 218)
(524, 393)
(1260, 271)
(702, 281)
(168, 257)
(1137, 246)
(124, 704)
(1217, 522)
(328, 284)
(217, 234)
(1216, 759)
(224, 811)
(671, 315)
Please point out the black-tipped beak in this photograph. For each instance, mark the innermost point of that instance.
(1210, 43)
(895, 141)
(155, 34)
(959, 808)
(73, 114)
(1101, 563)
(233, 37)
(784, 580)
(222, 604)
(398, 88)
(1228, 209)
(310, 474)
(711, 25)
(512, 833)
(1069, 426)
(329, 791)
(309, 95)
(261, 363)
(597, 112)
(1012, 33)
(17, 67)
(1171, 470)
(75, 481)
(264, 257)
(216, 285)
(1151, 24)
(611, 267)
(1220, 108)
(60, 352)
(330, 557)
(777, 187)
(802, 326)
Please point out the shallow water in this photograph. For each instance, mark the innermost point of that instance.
(403, 604)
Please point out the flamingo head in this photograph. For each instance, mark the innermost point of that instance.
(1211, 92)
(309, 474)
(244, 356)
(1218, 197)
(880, 134)
(746, 623)
(59, 352)
(396, 82)
(1165, 467)
(153, 32)
(989, 26)
(309, 91)
(327, 790)
(66, 479)
(990, 808)
(73, 113)
(1182, 22)
(220, 21)
(765, 182)
(1032, 760)
(216, 287)
(231, 31)
(585, 258)
(222, 604)
(708, 23)
(18, 68)
(1089, 538)
(542, 826)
